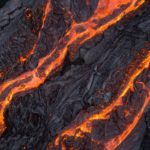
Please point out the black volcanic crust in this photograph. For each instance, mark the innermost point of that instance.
(3, 2)
(35, 118)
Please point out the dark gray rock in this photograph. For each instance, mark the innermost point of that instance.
(74, 92)
(145, 26)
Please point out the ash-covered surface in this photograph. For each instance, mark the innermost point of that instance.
(33, 119)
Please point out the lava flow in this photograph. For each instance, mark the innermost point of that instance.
(137, 67)
(116, 141)
(47, 10)
(106, 14)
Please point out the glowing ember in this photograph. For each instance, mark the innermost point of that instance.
(95, 25)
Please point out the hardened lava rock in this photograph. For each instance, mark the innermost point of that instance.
(33, 119)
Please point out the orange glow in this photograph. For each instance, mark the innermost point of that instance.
(126, 113)
(28, 14)
(116, 141)
(47, 10)
(86, 125)
(33, 79)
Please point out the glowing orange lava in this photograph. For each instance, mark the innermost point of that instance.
(104, 16)
(116, 141)
(47, 10)
(86, 125)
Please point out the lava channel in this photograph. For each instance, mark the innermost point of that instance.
(102, 19)
(47, 10)
(116, 141)
(138, 65)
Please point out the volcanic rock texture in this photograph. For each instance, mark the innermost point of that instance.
(86, 82)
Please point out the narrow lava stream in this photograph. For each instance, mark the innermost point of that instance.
(104, 16)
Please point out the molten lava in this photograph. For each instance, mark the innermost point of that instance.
(106, 14)
(141, 62)
(47, 10)
(116, 141)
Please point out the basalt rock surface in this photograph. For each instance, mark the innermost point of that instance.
(35, 118)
